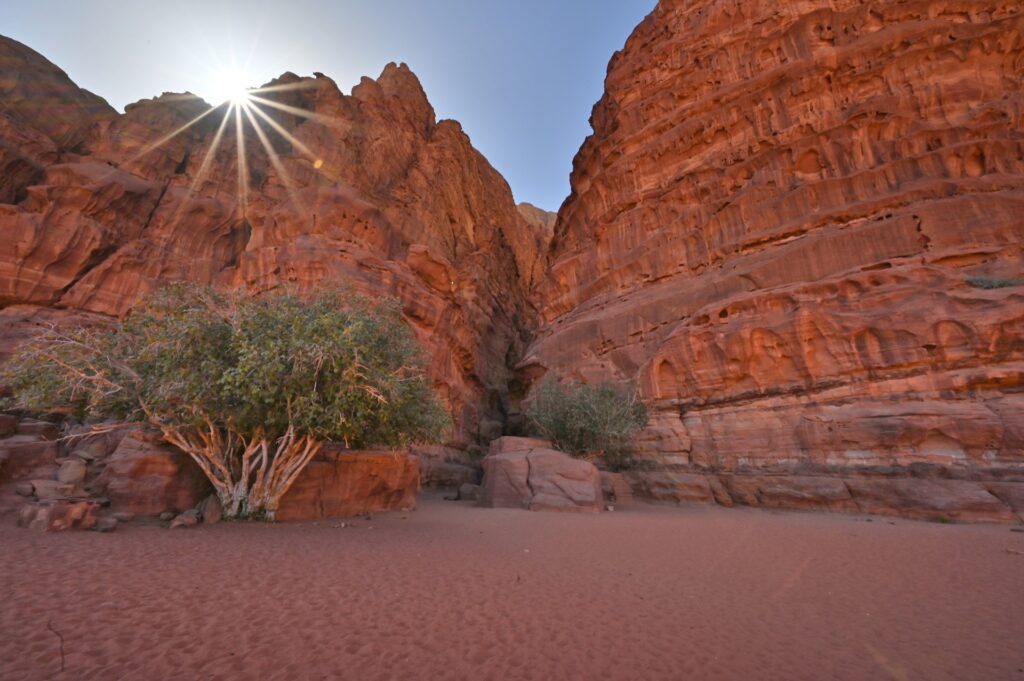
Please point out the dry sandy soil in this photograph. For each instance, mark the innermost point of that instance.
(456, 592)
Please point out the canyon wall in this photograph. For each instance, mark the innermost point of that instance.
(798, 227)
(97, 208)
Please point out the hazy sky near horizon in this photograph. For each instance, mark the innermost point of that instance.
(520, 76)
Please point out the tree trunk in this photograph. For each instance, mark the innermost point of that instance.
(250, 476)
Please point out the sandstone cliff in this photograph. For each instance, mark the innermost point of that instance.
(370, 190)
(798, 226)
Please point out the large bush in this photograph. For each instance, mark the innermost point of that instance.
(582, 420)
(250, 388)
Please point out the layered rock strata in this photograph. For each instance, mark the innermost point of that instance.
(798, 227)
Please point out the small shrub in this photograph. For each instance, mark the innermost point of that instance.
(993, 282)
(583, 420)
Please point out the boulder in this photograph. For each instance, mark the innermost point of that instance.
(51, 490)
(539, 479)
(72, 471)
(506, 481)
(97, 447)
(147, 479)
(469, 492)
(189, 518)
(56, 516)
(340, 484)
(43, 429)
(210, 510)
(28, 456)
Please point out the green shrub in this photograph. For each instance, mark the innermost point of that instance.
(250, 388)
(584, 420)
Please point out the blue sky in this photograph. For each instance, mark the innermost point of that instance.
(520, 76)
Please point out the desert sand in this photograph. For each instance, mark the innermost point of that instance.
(452, 591)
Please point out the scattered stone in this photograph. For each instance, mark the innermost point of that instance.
(24, 489)
(210, 510)
(123, 516)
(43, 429)
(85, 454)
(51, 490)
(469, 492)
(72, 471)
(189, 518)
(167, 515)
(57, 516)
(106, 524)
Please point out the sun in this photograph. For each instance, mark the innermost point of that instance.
(226, 86)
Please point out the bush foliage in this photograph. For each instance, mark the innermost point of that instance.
(241, 382)
(582, 419)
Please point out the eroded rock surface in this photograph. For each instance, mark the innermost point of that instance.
(146, 478)
(343, 484)
(798, 226)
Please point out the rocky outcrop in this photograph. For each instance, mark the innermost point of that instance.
(366, 190)
(145, 478)
(343, 484)
(924, 494)
(526, 473)
(58, 516)
(798, 227)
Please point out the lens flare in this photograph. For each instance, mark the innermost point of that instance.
(226, 87)
(243, 107)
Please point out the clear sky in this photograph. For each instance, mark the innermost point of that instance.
(520, 75)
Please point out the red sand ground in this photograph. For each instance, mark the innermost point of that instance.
(456, 592)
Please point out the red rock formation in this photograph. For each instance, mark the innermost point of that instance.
(342, 484)
(371, 192)
(143, 478)
(532, 255)
(527, 473)
(798, 226)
